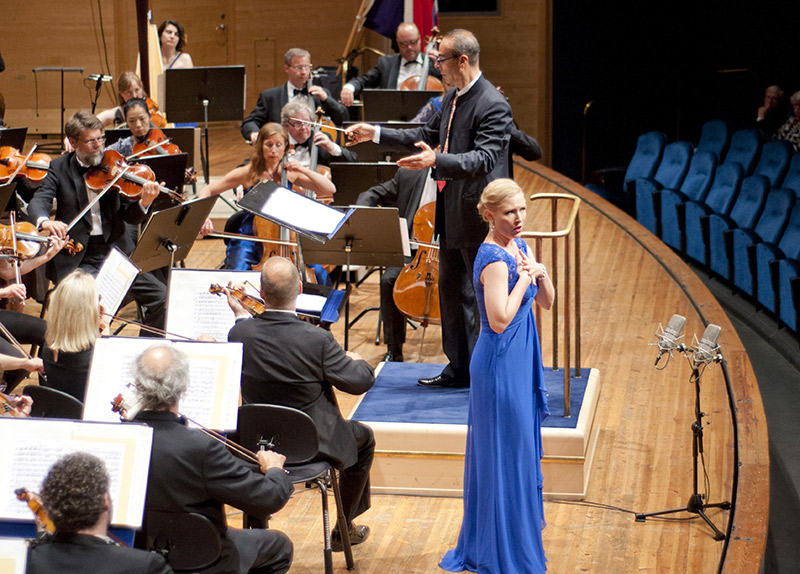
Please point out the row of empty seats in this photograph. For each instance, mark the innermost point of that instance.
(730, 204)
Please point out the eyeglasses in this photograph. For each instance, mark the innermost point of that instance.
(296, 124)
(439, 59)
(408, 43)
(95, 142)
(301, 68)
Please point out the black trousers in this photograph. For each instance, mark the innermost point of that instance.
(262, 551)
(460, 316)
(394, 323)
(354, 480)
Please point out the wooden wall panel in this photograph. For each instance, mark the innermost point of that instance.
(515, 48)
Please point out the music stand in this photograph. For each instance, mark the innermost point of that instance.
(171, 169)
(170, 233)
(60, 145)
(388, 105)
(182, 137)
(203, 94)
(351, 178)
(6, 193)
(14, 137)
(370, 236)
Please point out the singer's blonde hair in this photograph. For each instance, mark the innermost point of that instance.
(496, 193)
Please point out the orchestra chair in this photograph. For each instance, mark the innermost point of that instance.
(53, 404)
(714, 138)
(188, 541)
(293, 434)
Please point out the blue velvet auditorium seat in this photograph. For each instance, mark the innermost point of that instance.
(744, 215)
(714, 138)
(776, 265)
(774, 161)
(741, 243)
(792, 179)
(694, 188)
(644, 163)
(745, 149)
(670, 174)
(720, 198)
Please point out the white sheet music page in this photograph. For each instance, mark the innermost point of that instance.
(13, 555)
(115, 279)
(38, 443)
(215, 371)
(297, 211)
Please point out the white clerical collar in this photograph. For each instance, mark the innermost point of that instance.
(468, 86)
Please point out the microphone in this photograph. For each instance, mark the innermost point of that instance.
(705, 352)
(668, 341)
(99, 78)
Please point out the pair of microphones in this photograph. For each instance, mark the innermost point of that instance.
(704, 352)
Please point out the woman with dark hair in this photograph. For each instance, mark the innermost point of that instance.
(173, 39)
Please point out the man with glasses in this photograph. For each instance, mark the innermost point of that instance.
(294, 118)
(393, 69)
(297, 64)
(103, 226)
(473, 130)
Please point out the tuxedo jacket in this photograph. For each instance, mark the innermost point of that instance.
(271, 102)
(478, 153)
(64, 184)
(191, 472)
(403, 191)
(384, 74)
(292, 363)
(87, 554)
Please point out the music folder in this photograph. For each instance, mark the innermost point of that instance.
(301, 214)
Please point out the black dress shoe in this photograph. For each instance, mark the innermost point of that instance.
(440, 381)
(392, 357)
(358, 534)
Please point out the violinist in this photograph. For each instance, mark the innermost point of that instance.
(408, 190)
(137, 118)
(129, 86)
(297, 64)
(393, 69)
(265, 165)
(101, 228)
(300, 137)
(173, 39)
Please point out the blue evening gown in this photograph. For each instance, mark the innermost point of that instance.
(501, 532)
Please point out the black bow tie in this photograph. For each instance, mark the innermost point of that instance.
(411, 63)
(304, 91)
(301, 145)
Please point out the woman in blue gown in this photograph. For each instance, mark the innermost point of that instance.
(264, 164)
(501, 532)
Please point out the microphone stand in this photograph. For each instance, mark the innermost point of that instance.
(696, 504)
(98, 85)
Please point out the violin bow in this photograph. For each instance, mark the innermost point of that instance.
(17, 274)
(23, 163)
(89, 205)
(321, 125)
(147, 149)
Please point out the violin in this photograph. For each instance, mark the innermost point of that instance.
(34, 501)
(130, 183)
(10, 407)
(157, 117)
(253, 304)
(424, 81)
(25, 241)
(416, 291)
(14, 164)
(154, 143)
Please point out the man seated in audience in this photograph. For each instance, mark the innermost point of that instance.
(75, 495)
(393, 69)
(297, 64)
(790, 130)
(771, 115)
(192, 472)
(294, 116)
(289, 362)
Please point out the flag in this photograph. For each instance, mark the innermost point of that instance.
(384, 16)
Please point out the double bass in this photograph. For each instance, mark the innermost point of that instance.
(424, 81)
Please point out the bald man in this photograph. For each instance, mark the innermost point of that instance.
(393, 69)
(289, 362)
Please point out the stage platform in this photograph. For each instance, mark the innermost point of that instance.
(420, 434)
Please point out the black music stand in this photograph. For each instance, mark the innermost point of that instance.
(170, 233)
(351, 178)
(6, 193)
(60, 145)
(203, 94)
(14, 137)
(182, 137)
(171, 169)
(390, 105)
(370, 236)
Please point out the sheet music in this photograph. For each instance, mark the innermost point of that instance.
(193, 311)
(297, 211)
(404, 237)
(125, 450)
(115, 279)
(13, 555)
(310, 304)
(212, 398)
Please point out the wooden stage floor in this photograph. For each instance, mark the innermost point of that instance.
(631, 282)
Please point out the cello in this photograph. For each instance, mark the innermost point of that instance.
(416, 291)
(424, 81)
